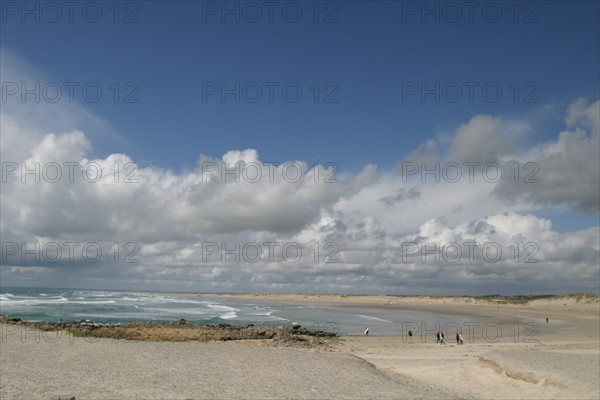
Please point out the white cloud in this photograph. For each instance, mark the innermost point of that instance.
(362, 220)
(485, 139)
(569, 168)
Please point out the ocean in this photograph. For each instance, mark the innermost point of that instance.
(106, 306)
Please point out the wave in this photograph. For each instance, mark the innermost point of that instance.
(120, 306)
(265, 314)
(129, 299)
(99, 294)
(53, 300)
(94, 302)
(177, 311)
(375, 318)
(183, 301)
(219, 307)
(166, 300)
(229, 315)
(33, 301)
(278, 318)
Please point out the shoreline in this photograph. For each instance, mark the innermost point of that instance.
(559, 359)
(568, 310)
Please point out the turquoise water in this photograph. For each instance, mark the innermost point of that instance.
(121, 307)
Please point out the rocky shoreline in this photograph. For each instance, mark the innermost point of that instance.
(182, 330)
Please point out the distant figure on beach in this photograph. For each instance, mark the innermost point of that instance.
(437, 337)
(366, 331)
(410, 336)
(457, 339)
(547, 320)
(460, 338)
(442, 338)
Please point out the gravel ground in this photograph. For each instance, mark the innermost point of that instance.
(34, 367)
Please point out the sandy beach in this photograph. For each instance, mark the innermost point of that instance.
(91, 368)
(511, 352)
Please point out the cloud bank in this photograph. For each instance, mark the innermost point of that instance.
(236, 223)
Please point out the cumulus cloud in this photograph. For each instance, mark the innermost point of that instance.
(483, 139)
(486, 139)
(120, 199)
(401, 195)
(235, 222)
(568, 169)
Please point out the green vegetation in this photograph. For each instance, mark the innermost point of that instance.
(580, 296)
(79, 333)
(524, 299)
(517, 299)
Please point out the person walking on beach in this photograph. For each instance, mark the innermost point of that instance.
(366, 331)
(460, 338)
(437, 337)
(442, 338)
(457, 339)
(547, 320)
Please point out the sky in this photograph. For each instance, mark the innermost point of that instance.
(390, 147)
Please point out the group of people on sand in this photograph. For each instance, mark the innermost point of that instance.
(441, 339)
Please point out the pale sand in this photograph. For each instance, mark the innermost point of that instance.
(118, 369)
(561, 360)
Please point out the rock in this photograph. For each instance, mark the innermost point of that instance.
(182, 330)
(326, 334)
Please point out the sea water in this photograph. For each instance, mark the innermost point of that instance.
(52, 305)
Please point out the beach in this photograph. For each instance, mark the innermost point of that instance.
(509, 352)
(91, 368)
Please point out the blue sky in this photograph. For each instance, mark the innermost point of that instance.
(369, 52)
(369, 62)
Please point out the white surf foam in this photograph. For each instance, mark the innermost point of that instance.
(375, 318)
(229, 315)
